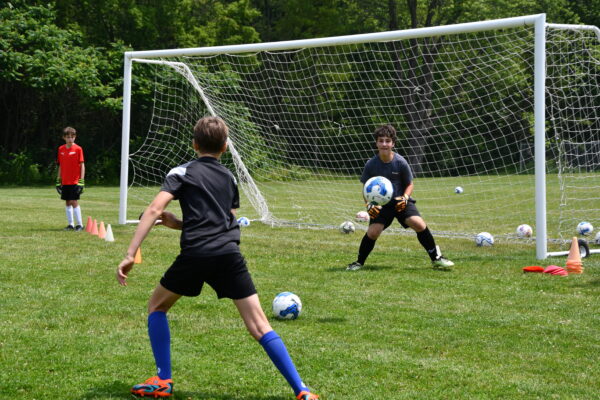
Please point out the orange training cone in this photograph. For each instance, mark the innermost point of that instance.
(574, 264)
(94, 230)
(88, 225)
(102, 230)
(138, 256)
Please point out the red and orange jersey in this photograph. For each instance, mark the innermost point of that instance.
(70, 160)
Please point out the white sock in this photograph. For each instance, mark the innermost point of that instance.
(77, 212)
(69, 212)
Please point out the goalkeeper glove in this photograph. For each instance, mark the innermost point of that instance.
(373, 210)
(58, 186)
(402, 202)
(80, 186)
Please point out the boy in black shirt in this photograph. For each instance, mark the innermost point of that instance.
(394, 167)
(208, 195)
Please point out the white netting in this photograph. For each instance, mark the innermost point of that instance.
(302, 122)
(573, 63)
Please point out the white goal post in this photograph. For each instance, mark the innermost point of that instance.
(468, 101)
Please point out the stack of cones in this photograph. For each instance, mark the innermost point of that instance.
(574, 264)
(102, 231)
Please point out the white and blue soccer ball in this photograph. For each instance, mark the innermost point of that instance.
(584, 228)
(362, 216)
(378, 190)
(243, 221)
(458, 190)
(347, 227)
(484, 239)
(524, 231)
(287, 305)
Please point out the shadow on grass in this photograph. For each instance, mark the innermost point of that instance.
(120, 390)
(364, 268)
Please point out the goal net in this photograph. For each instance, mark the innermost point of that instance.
(301, 117)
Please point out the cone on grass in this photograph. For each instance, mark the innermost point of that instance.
(94, 230)
(109, 234)
(88, 225)
(102, 230)
(574, 264)
(138, 256)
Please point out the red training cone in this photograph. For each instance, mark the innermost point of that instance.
(94, 228)
(88, 225)
(102, 230)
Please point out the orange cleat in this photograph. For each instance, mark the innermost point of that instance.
(154, 387)
(304, 395)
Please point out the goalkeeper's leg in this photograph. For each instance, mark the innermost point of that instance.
(366, 245)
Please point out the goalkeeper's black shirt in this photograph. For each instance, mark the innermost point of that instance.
(207, 191)
(397, 171)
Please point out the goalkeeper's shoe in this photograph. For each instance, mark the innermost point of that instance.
(354, 266)
(154, 387)
(442, 262)
(304, 395)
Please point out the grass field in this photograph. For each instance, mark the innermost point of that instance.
(396, 329)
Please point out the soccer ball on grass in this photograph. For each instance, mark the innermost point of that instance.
(584, 228)
(524, 231)
(458, 190)
(347, 227)
(378, 190)
(484, 239)
(362, 216)
(286, 305)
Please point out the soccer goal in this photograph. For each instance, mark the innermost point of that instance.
(507, 109)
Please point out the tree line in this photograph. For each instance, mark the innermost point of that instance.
(61, 61)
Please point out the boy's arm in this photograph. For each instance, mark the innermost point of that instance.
(154, 210)
(82, 171)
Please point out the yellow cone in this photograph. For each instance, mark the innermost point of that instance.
(138, 256)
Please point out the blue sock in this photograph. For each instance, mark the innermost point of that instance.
(276, 350)
(160, 340)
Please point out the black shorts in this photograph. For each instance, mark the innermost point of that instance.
(388, 213)
(226, 274)
(70, 192)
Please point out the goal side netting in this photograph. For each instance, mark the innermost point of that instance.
(301, 121)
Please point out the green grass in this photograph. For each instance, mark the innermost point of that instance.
(395, 330)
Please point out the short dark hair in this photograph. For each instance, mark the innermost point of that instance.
(69, 131)
(210, 134)
(385, 131)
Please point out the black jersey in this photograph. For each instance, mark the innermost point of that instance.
(207, 191)
(397, 171)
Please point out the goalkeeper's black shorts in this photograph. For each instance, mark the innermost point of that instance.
(388, 213)
(70, 192)
(226, 274)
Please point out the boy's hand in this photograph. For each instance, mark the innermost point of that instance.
(80, 186)
(123, 270)
(402, 202)
(373, 210)
(169, 220)
(58, 186)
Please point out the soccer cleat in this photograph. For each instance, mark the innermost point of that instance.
(154, 387)
(304, 395)
(78, 228)
(69, 228)
(354, 266)
(442, 262)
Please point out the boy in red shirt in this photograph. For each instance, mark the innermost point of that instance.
(70, 179)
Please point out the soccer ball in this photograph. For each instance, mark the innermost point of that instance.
(484, 239)
(362, 216)
(286, 305)
(458, 190)
(524, 231)
(584, 228)
(347, 227)
(597, 238)
(378, 190)
(243, 221)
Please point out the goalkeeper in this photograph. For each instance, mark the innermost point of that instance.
(70, 178)
(394, 167)
(210, 237)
